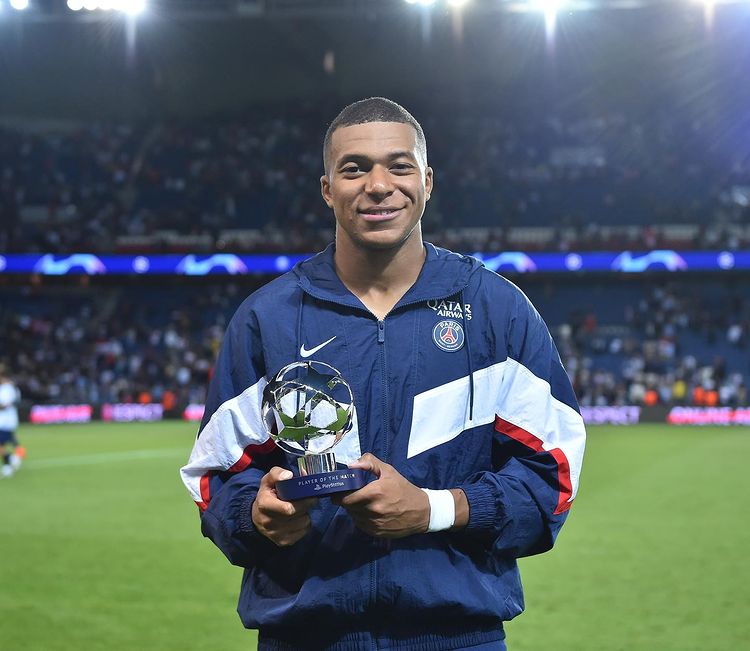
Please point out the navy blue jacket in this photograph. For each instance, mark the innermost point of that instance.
(459, 386)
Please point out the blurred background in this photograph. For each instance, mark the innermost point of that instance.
(160, 159)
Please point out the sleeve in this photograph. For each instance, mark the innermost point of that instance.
(233, 450)
(537, 447)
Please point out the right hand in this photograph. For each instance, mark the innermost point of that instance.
(283, 523)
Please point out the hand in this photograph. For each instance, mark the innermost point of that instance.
(390, 506)
(283, 523)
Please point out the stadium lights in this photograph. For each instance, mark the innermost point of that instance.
(19, 5)
(425, 3)
(550, 9)
(547, 6)
(457, 3)
(132, 7)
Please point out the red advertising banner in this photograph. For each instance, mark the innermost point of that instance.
(48, 414)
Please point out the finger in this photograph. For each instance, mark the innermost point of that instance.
(360, 498)
(275, 475)
(304, 506)
(277, 524)
(271, 505)
(287, 539)
(293, 526)
(337, 497)
(369, 462)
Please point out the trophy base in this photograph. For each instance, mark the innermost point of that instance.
(321, 484)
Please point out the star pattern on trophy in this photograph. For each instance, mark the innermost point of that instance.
(307, 408)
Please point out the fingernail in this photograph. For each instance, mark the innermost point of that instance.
(286, 474)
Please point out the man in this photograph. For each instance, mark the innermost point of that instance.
(10, 451)
(458, 390)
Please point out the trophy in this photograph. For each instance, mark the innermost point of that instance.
(307, 409)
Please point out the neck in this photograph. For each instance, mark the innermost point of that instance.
(375, 271)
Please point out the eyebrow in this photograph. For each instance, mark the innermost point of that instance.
(359, 158)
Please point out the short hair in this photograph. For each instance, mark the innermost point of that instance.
(373, 109)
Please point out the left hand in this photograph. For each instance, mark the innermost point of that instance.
(390, 506)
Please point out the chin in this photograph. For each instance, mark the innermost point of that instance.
(386, 239)
(384, 243)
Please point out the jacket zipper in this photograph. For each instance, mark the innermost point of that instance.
(385, 411)
(384, 386)
(381, 342)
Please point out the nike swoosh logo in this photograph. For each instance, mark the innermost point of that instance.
(306, 353)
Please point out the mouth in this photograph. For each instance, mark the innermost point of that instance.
(375, 214)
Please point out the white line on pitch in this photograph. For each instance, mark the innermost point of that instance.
(105, 457)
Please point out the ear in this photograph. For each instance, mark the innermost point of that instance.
(325, 190)
(428, 180)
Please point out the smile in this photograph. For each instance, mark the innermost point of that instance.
(379, 214)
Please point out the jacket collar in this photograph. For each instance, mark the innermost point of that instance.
(443, 274)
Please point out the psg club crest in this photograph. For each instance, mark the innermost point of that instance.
(448, 335)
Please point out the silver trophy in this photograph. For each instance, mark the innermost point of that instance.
(307, 409)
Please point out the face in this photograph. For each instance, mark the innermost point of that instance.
(377, 184)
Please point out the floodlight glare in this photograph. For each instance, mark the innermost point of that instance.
(133, 7)
(19, 5)
(425, 3)
(75, 5)
(547, 6)
(457, 3)
(90, 5)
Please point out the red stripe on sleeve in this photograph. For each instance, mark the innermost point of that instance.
(519, 434)
(249, 452)
(243, 462)
(565, 486)
(205, 491)
(563, 478)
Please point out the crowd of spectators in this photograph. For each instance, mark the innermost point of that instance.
(674, 347)
(251, 184)
(113, 345)
(132, 344)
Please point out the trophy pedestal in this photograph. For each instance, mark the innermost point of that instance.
(322, 484)
(319, 477)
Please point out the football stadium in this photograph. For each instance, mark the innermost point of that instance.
(161, 160)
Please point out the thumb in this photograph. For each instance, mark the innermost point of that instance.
(275, 475)
(370, 462)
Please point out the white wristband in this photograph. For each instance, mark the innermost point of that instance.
(442, 510)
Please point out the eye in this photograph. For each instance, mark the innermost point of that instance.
(401, 167)
(350, 168)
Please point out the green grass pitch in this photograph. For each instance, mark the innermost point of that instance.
(100, 547)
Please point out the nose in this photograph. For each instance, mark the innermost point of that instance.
(379, 182)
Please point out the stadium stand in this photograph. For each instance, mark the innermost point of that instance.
(646, 343)
(249, 185)
(628, 343)
(77, 345)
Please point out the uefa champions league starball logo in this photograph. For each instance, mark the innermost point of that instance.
(307, 408)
